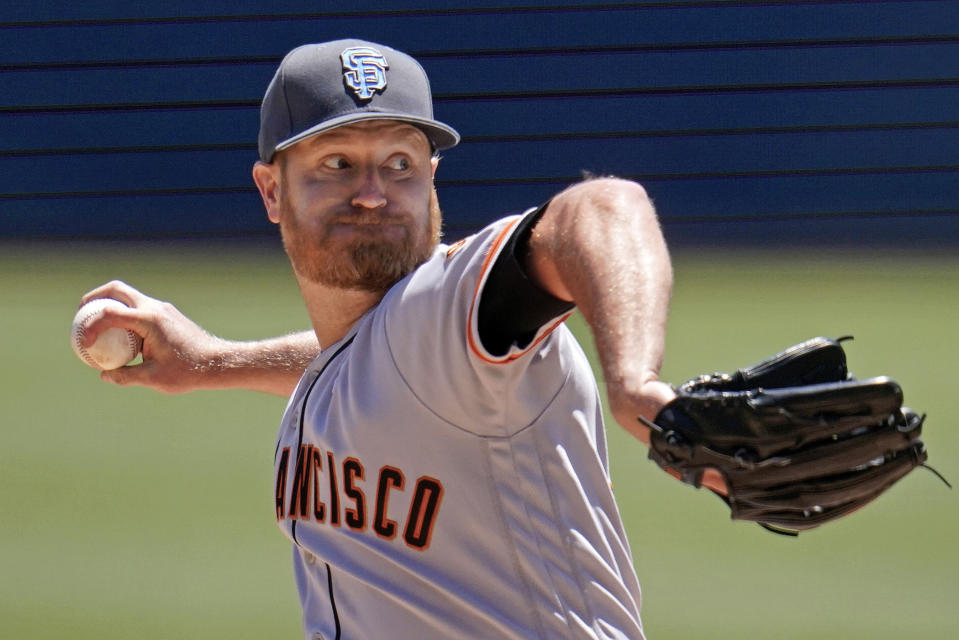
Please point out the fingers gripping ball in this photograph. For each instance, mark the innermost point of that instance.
(113, 348)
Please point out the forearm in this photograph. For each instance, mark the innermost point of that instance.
(600, 245)
(273, 365)
(179, 356)
(205, 362)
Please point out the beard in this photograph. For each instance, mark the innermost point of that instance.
(372, 264)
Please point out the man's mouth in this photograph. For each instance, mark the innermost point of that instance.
(368, 221)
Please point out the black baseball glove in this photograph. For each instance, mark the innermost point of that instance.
(797, 439)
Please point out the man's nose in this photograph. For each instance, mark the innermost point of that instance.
(370, 193)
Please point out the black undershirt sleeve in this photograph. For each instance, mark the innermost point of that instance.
(512, 308)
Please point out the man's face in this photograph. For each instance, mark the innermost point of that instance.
(357, 208)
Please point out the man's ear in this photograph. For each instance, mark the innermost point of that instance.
(434, 162)
(266, 177)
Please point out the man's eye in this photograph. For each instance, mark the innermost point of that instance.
(398, 163)
(336, 162)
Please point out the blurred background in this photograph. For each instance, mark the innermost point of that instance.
(803, 158)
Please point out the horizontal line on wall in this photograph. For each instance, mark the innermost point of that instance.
(730, 131)
(173, 148)
(131, 106)
(521, 181)
(519, 95)
(126, 193)
(489, 9)
(496, 138)
(507, 53)
(471, 226)
(712, 175)
(828, 215)
(706, 89)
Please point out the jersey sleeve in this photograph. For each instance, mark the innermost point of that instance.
(512, 308)
(490, 377)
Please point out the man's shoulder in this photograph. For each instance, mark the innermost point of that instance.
(452, 264)
(480, 239)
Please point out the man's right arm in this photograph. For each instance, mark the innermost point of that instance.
(179, 356)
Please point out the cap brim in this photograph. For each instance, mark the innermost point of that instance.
(441, 135)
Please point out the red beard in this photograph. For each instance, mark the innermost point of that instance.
(373, 263)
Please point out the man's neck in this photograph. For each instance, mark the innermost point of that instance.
(333, 311)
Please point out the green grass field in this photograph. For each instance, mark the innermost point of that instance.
(130, 514)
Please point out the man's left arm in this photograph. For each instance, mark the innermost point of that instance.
(599, 245)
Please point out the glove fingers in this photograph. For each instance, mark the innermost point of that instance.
(827, 459)
(811, 362)
(772, 421)
(788, 514)
(834, 490)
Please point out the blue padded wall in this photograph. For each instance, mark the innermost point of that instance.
(781, 122)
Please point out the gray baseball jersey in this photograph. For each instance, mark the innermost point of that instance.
(433, 489)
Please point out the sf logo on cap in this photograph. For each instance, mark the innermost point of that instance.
(364, 71)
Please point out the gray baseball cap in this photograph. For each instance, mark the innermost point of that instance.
(319, 87)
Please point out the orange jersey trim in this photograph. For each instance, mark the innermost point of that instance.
(477, 349)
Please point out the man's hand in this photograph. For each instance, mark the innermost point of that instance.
(179, 356)
(628, 402)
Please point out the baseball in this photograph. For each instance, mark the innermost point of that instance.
(113, 348)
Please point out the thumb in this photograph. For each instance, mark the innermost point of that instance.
(136, 374)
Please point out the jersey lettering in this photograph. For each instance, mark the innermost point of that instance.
(281, 483)
(353, 470)
(334, 492)
(426, 502)
(314, 495)
(389, 477)
(299, 500)
(319, 507)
